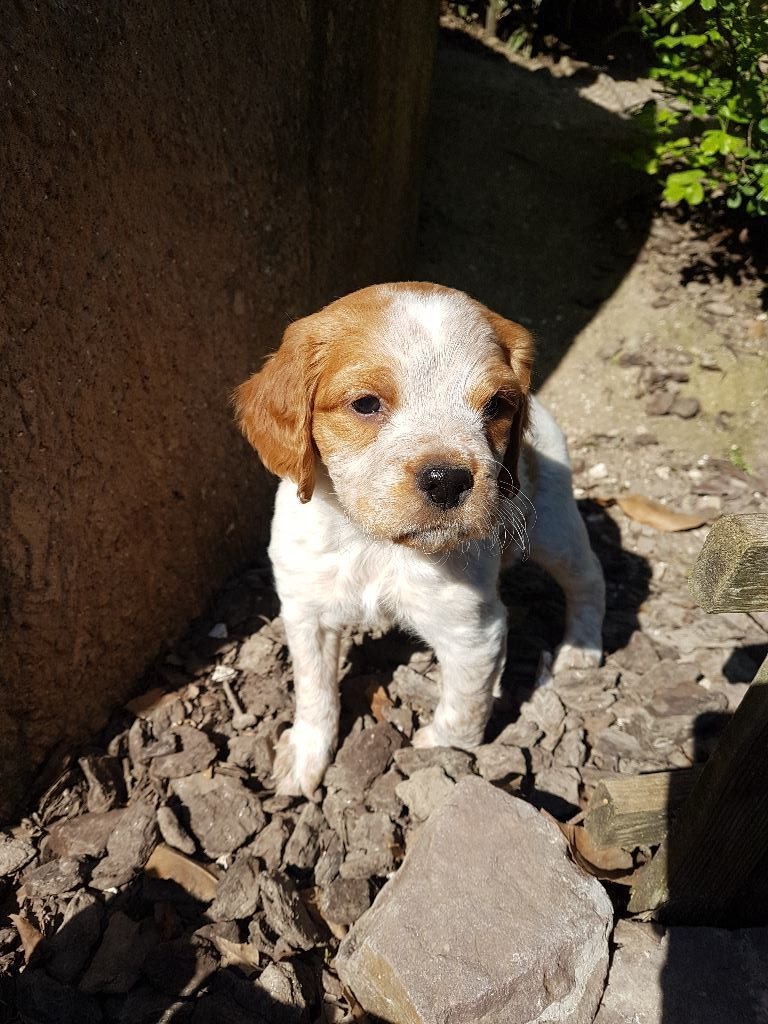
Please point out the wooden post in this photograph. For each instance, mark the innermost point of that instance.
(721, 833)
(635, 811)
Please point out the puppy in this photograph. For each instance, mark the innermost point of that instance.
(412, 456)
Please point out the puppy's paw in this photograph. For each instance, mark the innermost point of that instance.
(569, 656)
(301, 757)
(425, 737)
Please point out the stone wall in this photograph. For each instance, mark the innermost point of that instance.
(178, 182)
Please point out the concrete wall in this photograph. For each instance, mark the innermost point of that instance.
(178, 181)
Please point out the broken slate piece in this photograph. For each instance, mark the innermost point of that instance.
(371, 841)
(172, 831)
(14, 854)
(303, 848)
(344, 900)
(284, 1001)
(285, 913)
(53, 879)
(362, 757)
(498, 762)
(238, 892)
(270, 842)
(487, 920)
(84, 836)
(223, 813)
(128, 848)
(193, 753)
(455, 763)
(425, 791)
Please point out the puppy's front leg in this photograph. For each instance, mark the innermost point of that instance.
(305, 750)
(471, 657)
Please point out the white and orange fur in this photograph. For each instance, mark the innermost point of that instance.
(412, 456)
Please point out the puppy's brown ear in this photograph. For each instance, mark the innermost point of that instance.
(519, 348)
(274, 409)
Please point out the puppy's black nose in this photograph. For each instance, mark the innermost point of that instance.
(445, 485)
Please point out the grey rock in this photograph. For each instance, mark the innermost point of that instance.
(523, 733)
(281, 985)
(191, 751)
(84, 836)
(223, 813)
(303, 847)
(415, 690)
(425, 791)
(680, 975)
(571, 751)
(685, 407)
(500, 762)
(254, 752)
(545, 708)
(362, 757)
(329, 863)
(172, 831)
(285, 913)
(660, 403)
(401, 717)
(237, 896)
(487, 920)
(270, 843)
(382, 795)
(104, 776)
(128, 848)
(54, 878)
(344, 900)
(145, 1005)
(638, 656)
(455, 763)
(15, 852)
(557, 791)
(257, 654)
(371, 839)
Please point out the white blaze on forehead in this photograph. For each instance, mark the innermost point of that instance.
(440, 343)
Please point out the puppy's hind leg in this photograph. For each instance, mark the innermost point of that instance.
(560, 545)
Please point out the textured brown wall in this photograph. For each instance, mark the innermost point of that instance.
(178, 180)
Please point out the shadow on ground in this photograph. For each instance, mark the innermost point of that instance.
(528, 201)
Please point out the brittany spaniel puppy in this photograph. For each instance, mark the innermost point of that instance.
(412, 457)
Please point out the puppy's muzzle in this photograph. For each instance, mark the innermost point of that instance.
(445, 486)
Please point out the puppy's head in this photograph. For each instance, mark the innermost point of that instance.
(414, 396)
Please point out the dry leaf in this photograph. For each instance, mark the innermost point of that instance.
(379, 703)
(30, 936)
(654, 514)
(609, 863)
(172, 866)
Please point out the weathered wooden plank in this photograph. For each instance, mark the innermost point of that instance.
(731, 573)
(636, 810)
(721, 833)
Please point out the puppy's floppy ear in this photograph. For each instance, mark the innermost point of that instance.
(519, 348)
(274, 408)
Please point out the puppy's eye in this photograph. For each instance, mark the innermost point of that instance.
(367, 405)
(492, 408)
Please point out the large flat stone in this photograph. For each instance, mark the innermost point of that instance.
(487, 921)
(681, 975)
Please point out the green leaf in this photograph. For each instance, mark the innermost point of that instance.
(762, 124)
(733, 202)
(708, 5)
